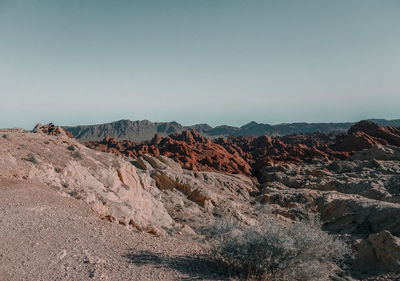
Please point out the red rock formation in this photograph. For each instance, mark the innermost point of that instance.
(249, 155)
(188, 148)
(366, 134)
(263, 151)
(357, 141)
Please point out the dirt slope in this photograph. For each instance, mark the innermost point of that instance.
(47, 236)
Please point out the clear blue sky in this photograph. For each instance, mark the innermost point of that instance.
(214, 61)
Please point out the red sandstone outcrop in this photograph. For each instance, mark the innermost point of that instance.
(189, 149)
(250, 155)
(264, 151)
(366, 134)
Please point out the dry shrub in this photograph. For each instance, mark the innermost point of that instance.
(31, 158)
(273, 251)
(71, 147)
(77, 155)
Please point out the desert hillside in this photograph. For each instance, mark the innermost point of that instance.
(183, 207)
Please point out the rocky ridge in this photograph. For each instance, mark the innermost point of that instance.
(144, 130)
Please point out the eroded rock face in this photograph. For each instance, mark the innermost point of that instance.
(380, 251)
(366, 134)
(152, 194)
(389, 134)
(195, 198)
(189, 149)
(378, 152)
(387, 249)
(109, 184)
(264, 151)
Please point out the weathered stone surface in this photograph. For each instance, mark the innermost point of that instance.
(380, 252)
(387, 249)
(109, 184)
(378, 152)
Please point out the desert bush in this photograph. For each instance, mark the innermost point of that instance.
(220, 229)
(71, 147)
(273, 251)
(77, 155)
(31, 158)
(5, 136)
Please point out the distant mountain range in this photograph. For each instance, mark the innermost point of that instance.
(143, 130)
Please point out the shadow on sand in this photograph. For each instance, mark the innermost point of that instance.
(200, 267)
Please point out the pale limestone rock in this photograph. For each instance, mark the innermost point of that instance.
(109, 184)
(378, 153)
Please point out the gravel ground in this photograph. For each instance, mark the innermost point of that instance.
(47, 236)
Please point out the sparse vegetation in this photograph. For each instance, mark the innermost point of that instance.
(71, 147)
(277, 252)
(75, 194)
(77, 155)
(65, 184)
(31, 158)
(5, 136)
(58, 170)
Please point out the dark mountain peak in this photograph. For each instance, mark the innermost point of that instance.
(119, 122)
(249, 125)
(200, 127)
(169, 128)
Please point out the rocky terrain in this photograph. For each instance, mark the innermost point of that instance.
(189, 149)
(59, 191)
(249, 155)
(143, 130)
(143, 210)
(358, 197)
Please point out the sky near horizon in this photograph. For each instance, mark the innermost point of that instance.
(198, 61)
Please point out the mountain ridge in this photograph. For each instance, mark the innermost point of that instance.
(144, 130)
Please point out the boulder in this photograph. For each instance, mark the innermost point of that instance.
(380, 252)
